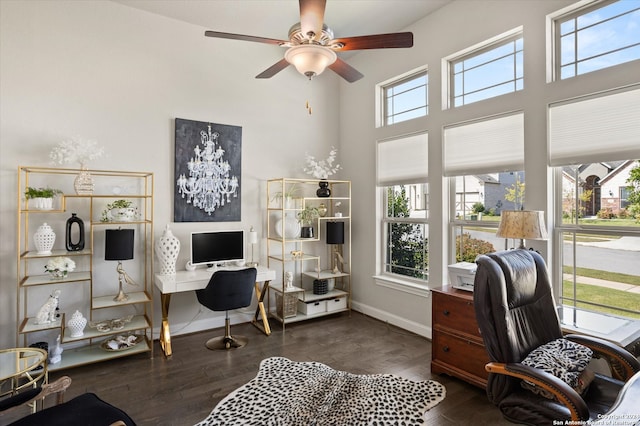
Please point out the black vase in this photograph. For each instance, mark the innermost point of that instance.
(306, 232)
(69, 244)
(324, 190)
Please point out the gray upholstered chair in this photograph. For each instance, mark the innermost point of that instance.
(227, 290)
(516, 315)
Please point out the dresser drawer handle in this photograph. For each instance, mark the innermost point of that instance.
(446, 312)
(445, 349)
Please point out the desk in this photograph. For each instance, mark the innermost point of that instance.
(195, 280)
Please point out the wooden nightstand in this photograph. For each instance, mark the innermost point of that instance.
(457, 347)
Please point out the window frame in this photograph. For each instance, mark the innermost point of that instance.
(389, 279)
(573, 230)
(448, 65)
(574, 12)
(382, 99)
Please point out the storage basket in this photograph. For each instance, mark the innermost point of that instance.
(290, 308)
(320, 286)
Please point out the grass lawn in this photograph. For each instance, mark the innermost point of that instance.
(603, 275)
(603, 295)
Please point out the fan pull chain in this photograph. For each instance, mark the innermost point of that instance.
(308, 107)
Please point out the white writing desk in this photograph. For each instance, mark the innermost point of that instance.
(195, 280)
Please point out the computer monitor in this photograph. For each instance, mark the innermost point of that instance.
(213, 248)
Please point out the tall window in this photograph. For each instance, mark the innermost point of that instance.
(599, 36)
(483, 160)
(599, 237)
(405, 98)
(404, 225)
(489, 70)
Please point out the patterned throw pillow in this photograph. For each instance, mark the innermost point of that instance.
(564, 359)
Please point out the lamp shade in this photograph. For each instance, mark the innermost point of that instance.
(309, 59)
(118, 244)
(253, 236)
(335, 232)
(523, 224)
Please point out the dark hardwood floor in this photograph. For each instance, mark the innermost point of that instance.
(183, 389)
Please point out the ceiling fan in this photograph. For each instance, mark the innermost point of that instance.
(312, 48)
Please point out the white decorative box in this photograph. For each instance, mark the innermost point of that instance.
(462, 275)
(336, 304)
(310, 308)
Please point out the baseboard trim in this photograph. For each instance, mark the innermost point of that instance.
(379, 314)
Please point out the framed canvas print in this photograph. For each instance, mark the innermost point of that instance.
(207, 172)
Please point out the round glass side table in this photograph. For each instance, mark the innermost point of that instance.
(21, 368)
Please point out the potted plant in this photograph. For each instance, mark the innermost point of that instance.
(119, 210)
(290, 194)
(306, 218)
(42, 197)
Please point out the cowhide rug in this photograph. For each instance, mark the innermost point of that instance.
(310, 393)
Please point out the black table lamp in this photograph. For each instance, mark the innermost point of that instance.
(335, 237)
(118, 245)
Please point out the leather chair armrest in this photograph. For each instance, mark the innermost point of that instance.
(562, 391)
(58, 387)
(623, 364)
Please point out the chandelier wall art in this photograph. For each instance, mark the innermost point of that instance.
(207, 172)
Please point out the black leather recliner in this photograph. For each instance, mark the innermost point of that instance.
(516, 313)
(227, 290)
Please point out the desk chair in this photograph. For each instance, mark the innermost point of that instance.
(517, 316)
(228, 289)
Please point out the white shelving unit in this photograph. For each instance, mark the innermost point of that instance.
(89, 286)
(307, 259)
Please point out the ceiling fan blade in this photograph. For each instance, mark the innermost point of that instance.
(312, 17)
(345, 71)
(243, 37)
(375, 41)
(273, 69)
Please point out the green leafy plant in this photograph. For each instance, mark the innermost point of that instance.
(292, 191)
(306, 216)
(477, 207)
(31, 192)
(467, 248)
(119, 204)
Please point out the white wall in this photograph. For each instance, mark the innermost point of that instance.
(452, 28)
(119, 75)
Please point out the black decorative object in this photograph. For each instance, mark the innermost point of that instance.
(40, 345)
(335, 232)
(320, 286)
(69, 243)
(324, 190)
(306, 232)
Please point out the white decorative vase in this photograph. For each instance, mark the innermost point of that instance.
(83, 184)
(291, 227)
(76, 324)
(44, 239)
(40, 203)
(167, 250)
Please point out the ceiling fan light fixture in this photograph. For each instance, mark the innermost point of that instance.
(310, 59)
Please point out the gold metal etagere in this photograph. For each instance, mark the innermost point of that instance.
(110, 185)
(307, 258)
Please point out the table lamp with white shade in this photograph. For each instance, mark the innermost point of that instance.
(523, 225)
(253, 240)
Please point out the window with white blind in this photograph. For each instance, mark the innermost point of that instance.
(487, 70)
(483, 160)
(600, 35)
(402, 172)
(594, 148)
